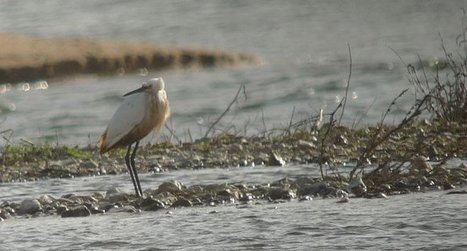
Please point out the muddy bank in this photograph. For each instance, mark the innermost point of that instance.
(25, 58)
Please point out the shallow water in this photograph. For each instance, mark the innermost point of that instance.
(420, 221)
(408, 222)
(304, 48)
(303, 45)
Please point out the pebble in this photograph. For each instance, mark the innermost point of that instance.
(114, 195)
(306, 144)
(343, 200)
(357, 186)
(89, 164)
(419, 165)
(46, 199)
(30, 206)
(125, 209)
(280, 193)
(151, 204)
(79, 211)
(305, 198)
(276, 160)
(182, 202)
(173, 186)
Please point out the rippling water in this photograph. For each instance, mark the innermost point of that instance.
(304, 48)
(303, 45)
(421, 221)
(408, 222)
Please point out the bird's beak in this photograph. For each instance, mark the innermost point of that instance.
(142, 89)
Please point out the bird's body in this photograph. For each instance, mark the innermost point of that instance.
(142, 111)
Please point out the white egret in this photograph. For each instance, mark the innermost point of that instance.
(142, 111)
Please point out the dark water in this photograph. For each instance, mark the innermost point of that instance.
(304, 48)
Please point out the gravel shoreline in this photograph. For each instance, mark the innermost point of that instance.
(441, 142)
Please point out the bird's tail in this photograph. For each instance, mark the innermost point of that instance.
(101, 142)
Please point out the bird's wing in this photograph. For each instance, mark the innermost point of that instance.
(128, 115)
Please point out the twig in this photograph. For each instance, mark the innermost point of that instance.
(357, 122)
(265, 129)
(226, 110)
(172, 132)
(411, 114)
(27, 142)
(328, 130)
(291, 121)
(390, 106)
(347, 86)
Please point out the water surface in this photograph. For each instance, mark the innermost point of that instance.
(306, 64)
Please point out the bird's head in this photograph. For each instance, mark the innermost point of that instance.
(152, 86)
(156, 84)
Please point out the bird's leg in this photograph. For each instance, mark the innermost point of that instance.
(130, 170)
(132, 159)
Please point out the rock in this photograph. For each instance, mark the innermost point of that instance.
(341, 140)
(276, 160)
(30, 206)
(93, 208)
(60, 209)
(79, 211)
(114, 195)
(246, 198)
(182, 202)
(89, 164)
(457, 192)
(4, 214)
(106, 205)
(229, 193)
(419, 165)
(306, 145)
(285, 182)
(317, 188)
(151, 204)
(279, 193)
(236, 148)
(433, 153)
(343, 200)
(124, 209)
(448, 186)
(98, 196)
(304, 198)
(46, 199)
(166, 198)
(440, 171)
(173, 186)
(384, 188)
(82, 199)
(357, 186)
(112, 191)
(381, 195)
(343, 196)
